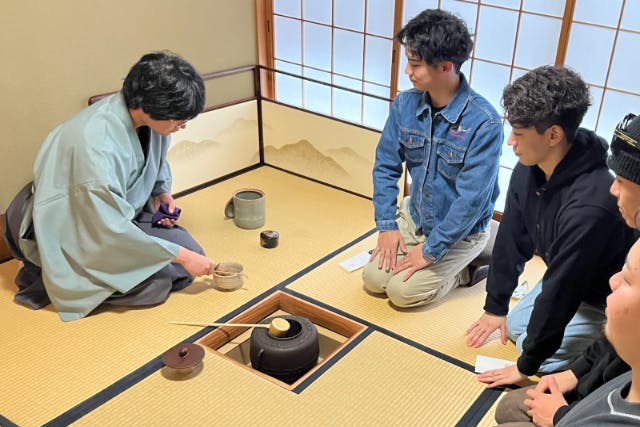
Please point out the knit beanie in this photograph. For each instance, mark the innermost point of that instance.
(625, 149)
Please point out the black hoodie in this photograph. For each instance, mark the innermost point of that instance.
(571, 222)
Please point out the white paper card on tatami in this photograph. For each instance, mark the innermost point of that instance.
(356, 262)
(486, 363)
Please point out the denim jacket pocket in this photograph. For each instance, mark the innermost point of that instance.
(413, 144)
(450, 159)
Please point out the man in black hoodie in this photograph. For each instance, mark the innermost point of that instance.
(559, 208)
(546, 403)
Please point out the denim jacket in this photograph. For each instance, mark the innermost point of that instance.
(453, 160)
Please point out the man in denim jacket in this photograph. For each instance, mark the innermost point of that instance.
(450, 138)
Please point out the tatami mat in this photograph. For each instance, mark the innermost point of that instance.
(380, 382)
(108, 363)
(50, 366)
(309, 217)
(439, 326)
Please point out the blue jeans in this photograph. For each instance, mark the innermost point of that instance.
(578, 335)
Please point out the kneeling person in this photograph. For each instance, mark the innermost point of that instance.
(450, 139)
(559, 208)
(556, 394)
(84, 232)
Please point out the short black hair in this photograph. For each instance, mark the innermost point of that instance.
(546, 96)
(165, 86)
(435, 36)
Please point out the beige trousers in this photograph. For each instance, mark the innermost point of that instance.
(432, 283)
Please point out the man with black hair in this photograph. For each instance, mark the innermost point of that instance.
(556, 394)
(559, 208)
(450, 138)
(83, 229)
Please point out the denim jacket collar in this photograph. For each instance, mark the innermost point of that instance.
(452, 111)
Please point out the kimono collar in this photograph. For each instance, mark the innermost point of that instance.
(118, 107)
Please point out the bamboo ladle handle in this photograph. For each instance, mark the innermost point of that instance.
(278, 327)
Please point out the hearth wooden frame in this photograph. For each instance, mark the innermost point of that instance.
(281, 301)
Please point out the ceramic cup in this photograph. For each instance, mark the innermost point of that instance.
(228, 276)
(247, 208)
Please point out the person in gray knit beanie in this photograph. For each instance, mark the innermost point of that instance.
(625, 162)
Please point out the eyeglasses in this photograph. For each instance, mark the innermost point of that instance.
(178, 124)
(620, 131)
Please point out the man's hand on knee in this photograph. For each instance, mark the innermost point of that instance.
(544, 405)
(414, 261)
(389, 242)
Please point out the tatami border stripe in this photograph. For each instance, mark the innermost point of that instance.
(155, 364)
(409, 342)
(479, 408)
(103, 396)
(290, 279)
(325, 259)
(332, 361)
(5, 422)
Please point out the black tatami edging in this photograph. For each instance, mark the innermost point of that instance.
(480, 407)
(288, 280)
(332, 361)
(404, 340)
(477, 410)
(103, 396)
(5, 422)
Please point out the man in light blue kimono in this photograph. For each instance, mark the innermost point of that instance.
(83, 228)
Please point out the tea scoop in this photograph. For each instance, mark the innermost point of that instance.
(278, 327)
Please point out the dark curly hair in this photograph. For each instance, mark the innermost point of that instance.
(547, 96)
(165, 86)
(436, 36)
